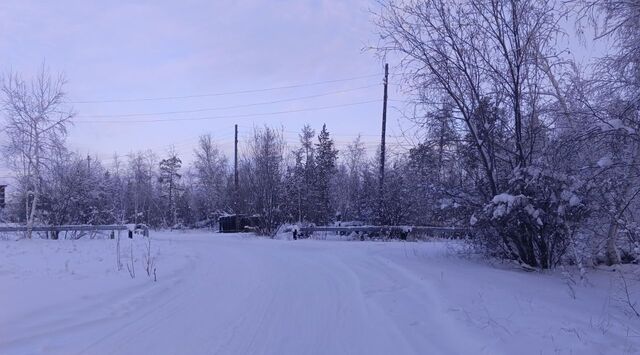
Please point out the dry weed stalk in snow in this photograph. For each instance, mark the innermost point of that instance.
(627, 295)
(131, 264)
(118, 259)
(149, 261)
(570, 282)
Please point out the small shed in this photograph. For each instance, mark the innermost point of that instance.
(237, 223)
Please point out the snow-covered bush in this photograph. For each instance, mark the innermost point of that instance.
(533, 221)
(630, 243)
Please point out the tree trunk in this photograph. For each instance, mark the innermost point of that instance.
(32, 213)
(613, 257)
(612, 254)
(36, 187)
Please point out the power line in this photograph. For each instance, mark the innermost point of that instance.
(191, 144)
(217, 135)
(332, 134)
(221, 93)
(232, 116)
(224, 137)
(230, 107)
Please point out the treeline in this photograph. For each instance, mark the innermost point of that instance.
(311, 182)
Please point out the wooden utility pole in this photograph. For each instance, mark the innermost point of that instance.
(235, 168)
(235, 180)
(382, 141)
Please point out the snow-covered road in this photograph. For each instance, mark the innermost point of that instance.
(242, 295)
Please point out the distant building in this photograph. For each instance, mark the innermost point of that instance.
(239, 223)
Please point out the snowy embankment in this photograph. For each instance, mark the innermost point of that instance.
(245, 295)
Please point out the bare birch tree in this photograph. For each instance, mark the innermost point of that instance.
(494, 61)
(211, 171)
(265, 165)
(478, 54)
(37, 120)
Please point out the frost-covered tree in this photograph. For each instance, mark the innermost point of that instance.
(325, 169)
(140, 189)
(354, 162)
(308, 197)
(397, 194)
(263, 169)
(210, 172)
(36, 125)
(494, 62)
(169, 179)
(115, 188)
(294, 187)
(612, 114)
(79, 190)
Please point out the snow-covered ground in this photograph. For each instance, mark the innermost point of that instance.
(237, 294)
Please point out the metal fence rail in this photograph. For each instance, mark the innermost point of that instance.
(397, 230)
(75, 228)
(66, 228)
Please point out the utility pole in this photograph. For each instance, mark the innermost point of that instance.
(235, 168)
(88, 162)
(235, 179)
(382, 141)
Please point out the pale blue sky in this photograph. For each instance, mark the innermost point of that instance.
(142, 49)
(148, 49)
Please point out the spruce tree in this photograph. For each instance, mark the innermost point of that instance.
(169, 178)
(326, 166)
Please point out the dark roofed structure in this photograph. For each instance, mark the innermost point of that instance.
(239, 223)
